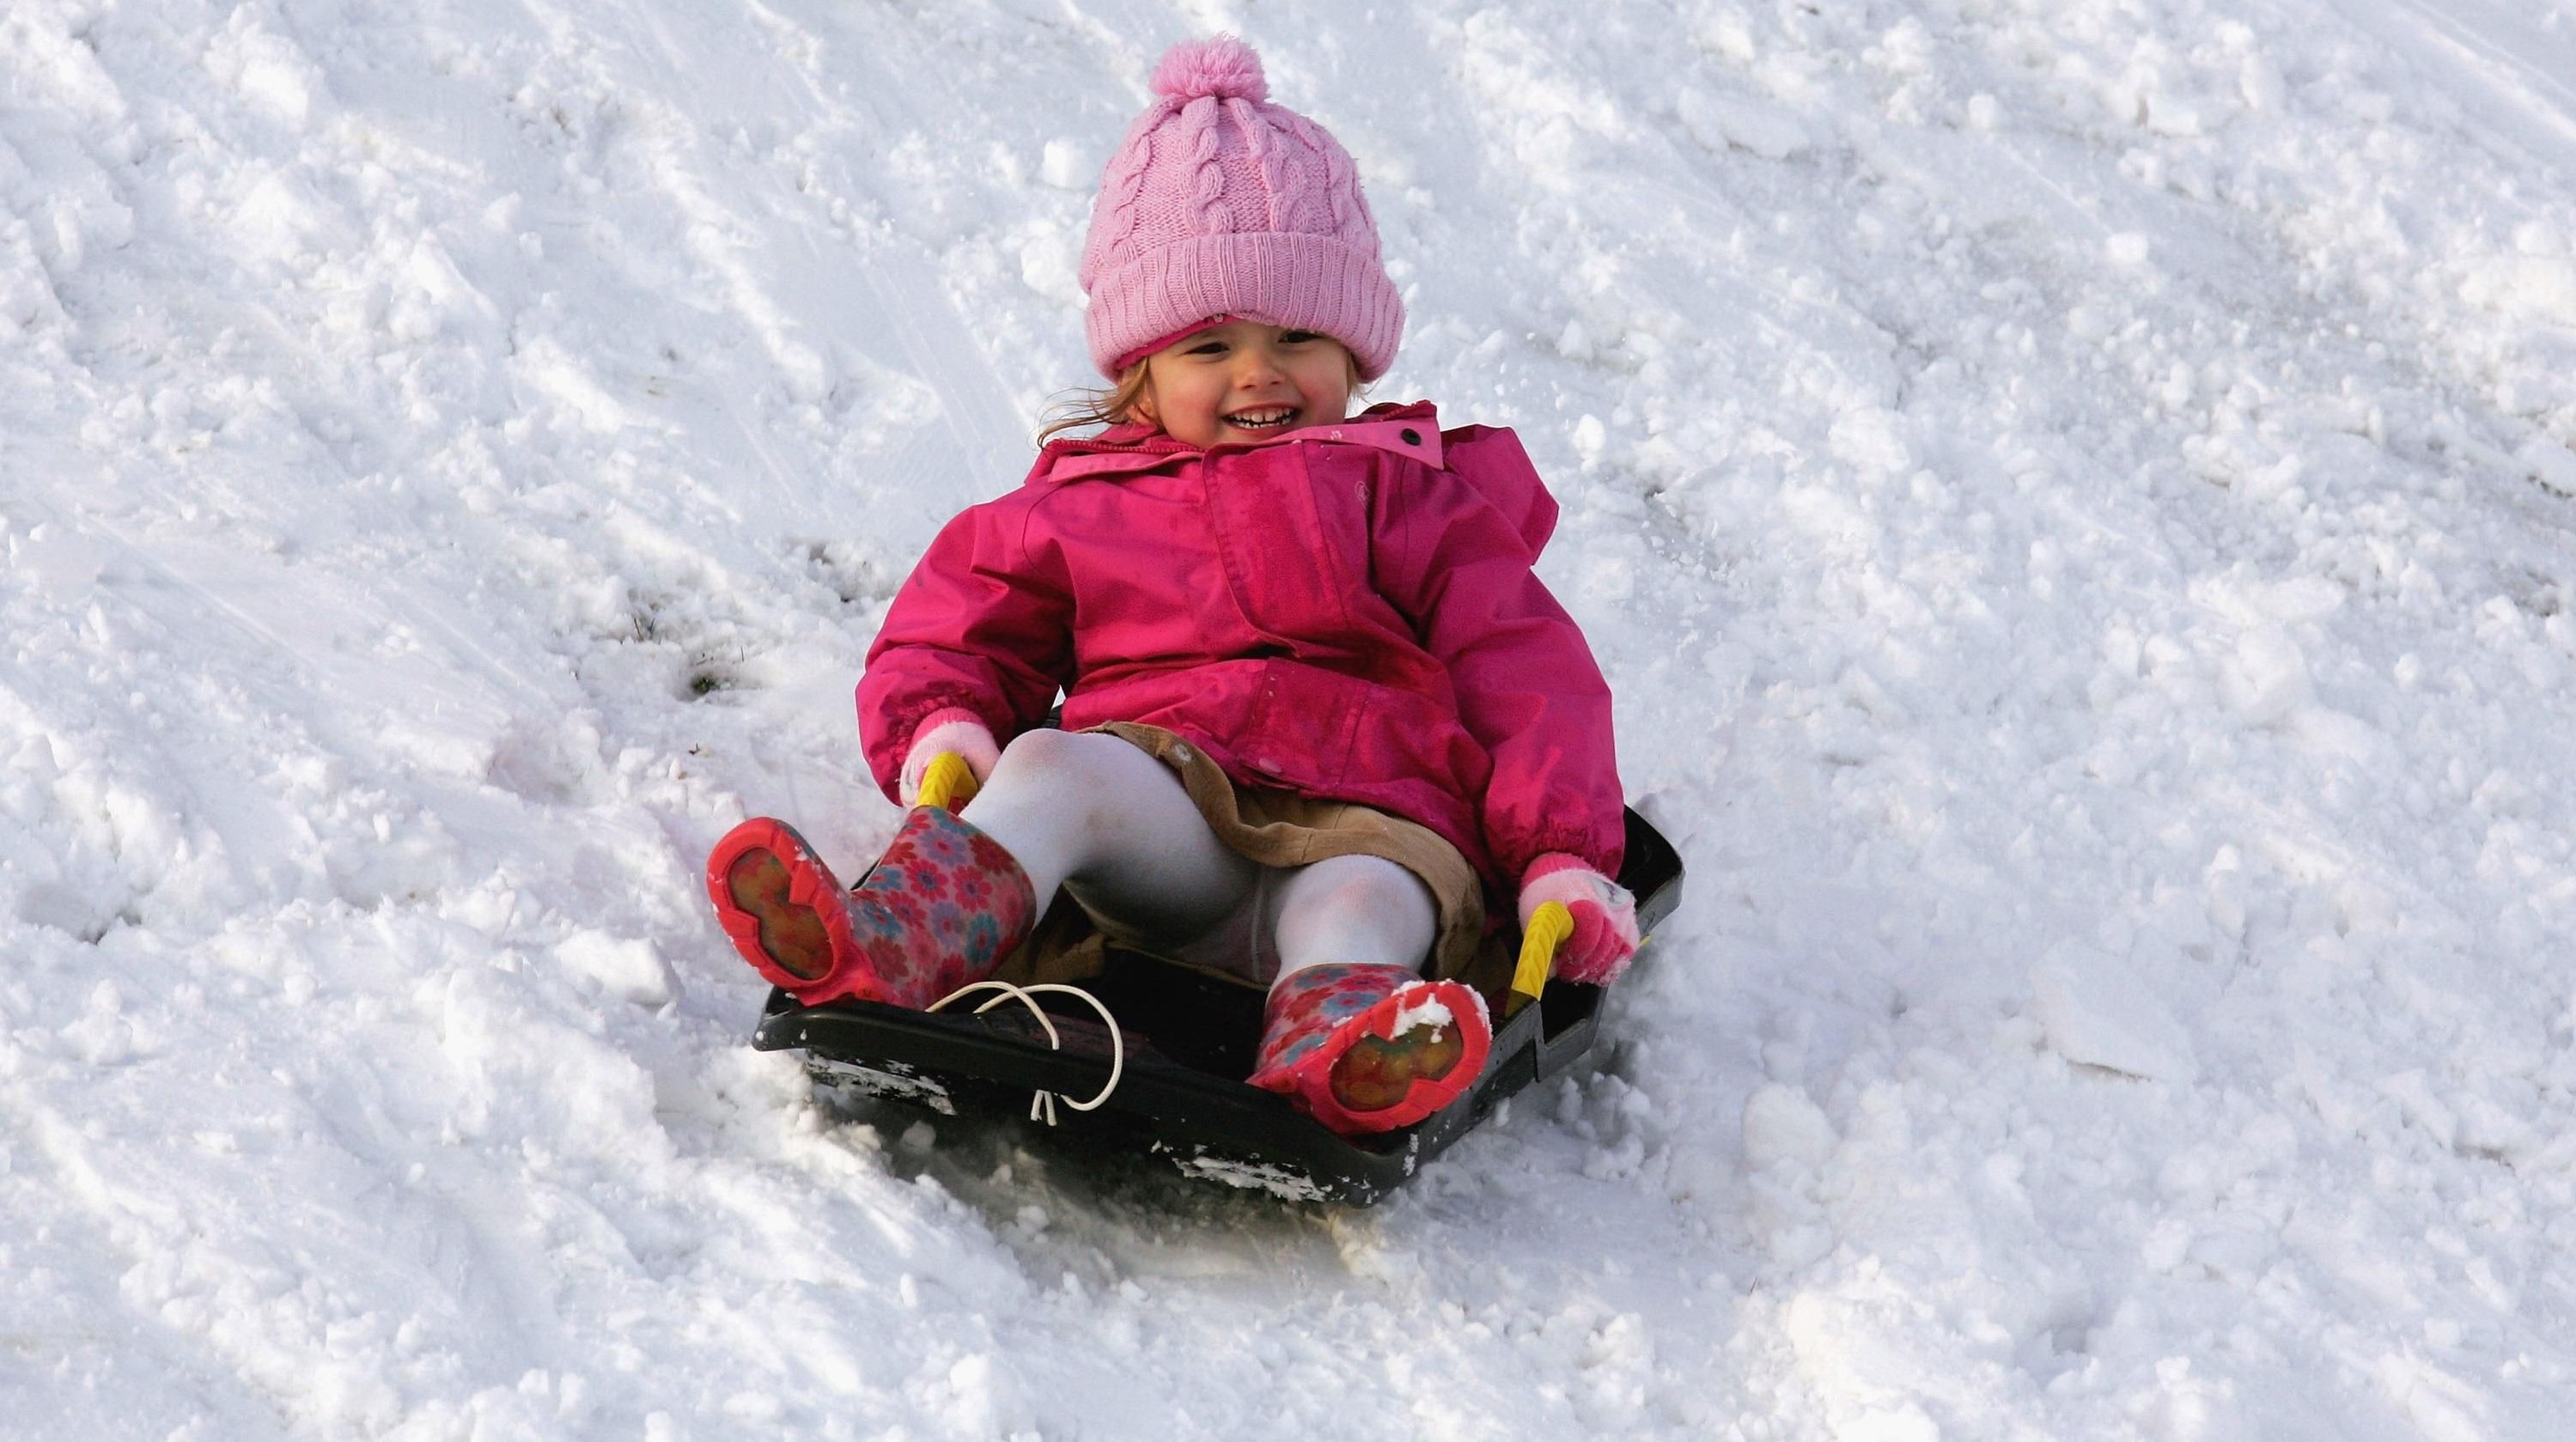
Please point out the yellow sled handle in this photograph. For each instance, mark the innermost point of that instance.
(946, 783)
(1549, 926)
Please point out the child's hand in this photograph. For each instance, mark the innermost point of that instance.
(954, 729)
(1605, 917)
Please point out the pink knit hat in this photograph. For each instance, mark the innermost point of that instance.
(1220, 204)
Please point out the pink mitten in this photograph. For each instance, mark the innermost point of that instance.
(955, 729)
(1605, 917)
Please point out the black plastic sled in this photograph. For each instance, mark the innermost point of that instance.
(1185, 1042)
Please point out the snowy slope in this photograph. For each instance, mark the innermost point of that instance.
(2076, 501)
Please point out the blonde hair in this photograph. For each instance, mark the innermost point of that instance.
(1114, 406)
(1117, 404)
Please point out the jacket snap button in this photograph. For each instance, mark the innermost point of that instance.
(1409, 436)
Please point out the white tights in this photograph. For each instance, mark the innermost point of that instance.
(1115, 827)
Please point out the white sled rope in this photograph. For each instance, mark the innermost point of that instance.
(1042, 1104)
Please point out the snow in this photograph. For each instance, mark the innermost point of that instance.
(1426, 1009)
(2074, 501)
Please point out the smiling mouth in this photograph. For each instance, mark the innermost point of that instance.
(1263, 418)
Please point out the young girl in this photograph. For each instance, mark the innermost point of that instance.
(1315, 705)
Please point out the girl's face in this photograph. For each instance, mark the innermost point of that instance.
(1246, 381)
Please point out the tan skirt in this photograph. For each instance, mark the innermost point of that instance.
(1280, 830)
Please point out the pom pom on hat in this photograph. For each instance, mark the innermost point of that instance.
(1222, 203)
(1220, 65)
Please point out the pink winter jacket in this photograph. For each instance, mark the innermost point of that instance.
(1346, 611)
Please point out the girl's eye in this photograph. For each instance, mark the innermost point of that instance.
(1212, 347)
(1297, 337)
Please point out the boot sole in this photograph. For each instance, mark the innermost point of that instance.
(782, 908)
(791, 936)
(1407, 1076)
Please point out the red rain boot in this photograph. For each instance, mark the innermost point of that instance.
(940, 909)
(1366, 1047)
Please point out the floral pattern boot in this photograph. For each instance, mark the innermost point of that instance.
(1365, 1047)
(940, 909)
